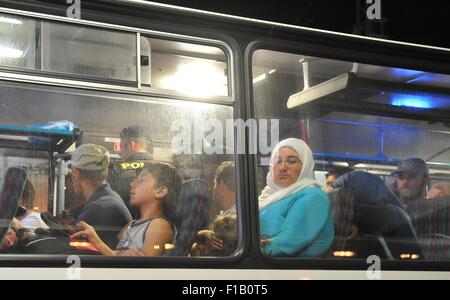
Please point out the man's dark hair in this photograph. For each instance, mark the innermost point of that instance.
(166, 175)
(338, 171)
(225, 172)
(140, 135)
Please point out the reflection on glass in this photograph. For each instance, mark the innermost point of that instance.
(89, 51)
(17, 42)
(191, 69)
(204, 199)
(371, 126)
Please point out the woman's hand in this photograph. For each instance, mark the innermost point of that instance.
(210, 239)
(265, 242)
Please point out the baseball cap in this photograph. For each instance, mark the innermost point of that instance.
(412, 165)
(90, 157)
(136, 131)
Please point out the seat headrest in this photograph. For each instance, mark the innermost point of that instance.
(13, 185)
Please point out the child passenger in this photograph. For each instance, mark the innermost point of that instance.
(154, 192)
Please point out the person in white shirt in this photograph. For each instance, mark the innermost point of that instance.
(30, 218)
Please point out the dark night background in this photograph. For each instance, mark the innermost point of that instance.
(423, 22)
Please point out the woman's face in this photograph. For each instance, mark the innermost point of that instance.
(287, 167)
(143, 188)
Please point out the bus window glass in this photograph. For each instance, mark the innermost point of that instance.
(18, 40)
(363, 163)
(191, 69)
(88, 51)
(169, 173)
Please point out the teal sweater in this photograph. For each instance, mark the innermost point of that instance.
(300, 225)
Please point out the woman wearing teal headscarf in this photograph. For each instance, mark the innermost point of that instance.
(295, 214)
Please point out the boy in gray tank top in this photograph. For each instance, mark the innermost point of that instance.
(155, 193)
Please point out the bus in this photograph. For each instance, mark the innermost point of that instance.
(213, 88)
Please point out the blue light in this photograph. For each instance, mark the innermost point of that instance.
(412, 101)
(406, 73)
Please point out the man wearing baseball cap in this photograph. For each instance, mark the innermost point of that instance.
(135, 148)
(412, 180)
(101, 207)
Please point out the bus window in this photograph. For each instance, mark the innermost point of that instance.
(88, 51)
(386, 129)
(190, 69)
(18, 43)
(181, 157)
(122, 173)
(68, 50)
(107, 58)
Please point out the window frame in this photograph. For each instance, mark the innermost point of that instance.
(132, 87)
(43, 260)
(47, 82)
(363, 54)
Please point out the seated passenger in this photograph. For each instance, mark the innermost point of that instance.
(100, 207)
(295, 214)
(224, 193)
(335, 173)
(441, 189)
(29, 218)
(367, 188)
(379, 211)
(135, 147)
(411, 180)
(154, 192)
(224, 197)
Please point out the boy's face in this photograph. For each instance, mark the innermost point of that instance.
(144, 190)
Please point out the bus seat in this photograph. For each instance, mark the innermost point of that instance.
(435, 247)
(365, 243)
(430, 218)
(192, 215)
(12, 187)
(342, 203)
